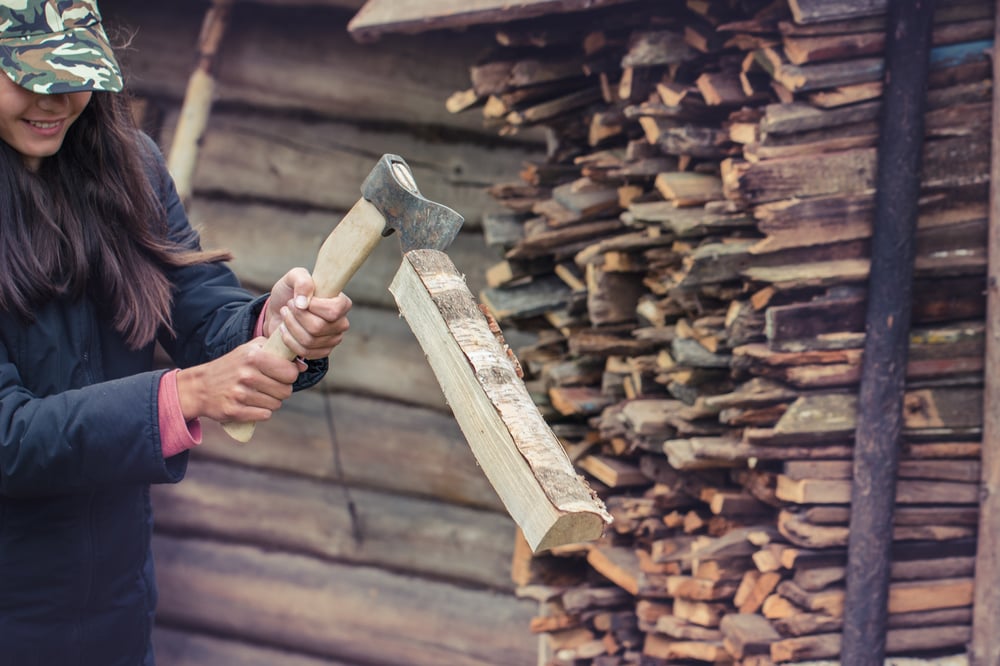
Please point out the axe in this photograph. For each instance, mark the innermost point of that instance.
(390, 202)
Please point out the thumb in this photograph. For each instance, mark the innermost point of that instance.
(302, 286)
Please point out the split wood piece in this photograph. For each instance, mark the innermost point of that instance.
(381, 17)
(198, 100)
(657, 47)
(657, 646)
(844, 312)
(815, 48)
(522, 458)
(804, 624)
(813, 580)
(852, 172)
(904, 596)
(951, 514)
(755, 587)
(897, 641)
(838, 491)
(684, 222)
(747, 634)
(823, 417)
(963, 471)
(724, 452)
(801, 533)
(970, 119)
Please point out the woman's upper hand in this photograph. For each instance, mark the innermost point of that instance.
(250, 383)
(310, 326)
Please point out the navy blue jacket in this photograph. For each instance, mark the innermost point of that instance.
(79, 447)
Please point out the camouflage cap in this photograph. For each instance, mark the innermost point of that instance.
(56, 46)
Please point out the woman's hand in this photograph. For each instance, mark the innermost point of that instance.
(310, 326)
(247, 384)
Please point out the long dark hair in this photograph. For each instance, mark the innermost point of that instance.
(90, 221)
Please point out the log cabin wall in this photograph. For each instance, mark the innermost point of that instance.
(355, 528)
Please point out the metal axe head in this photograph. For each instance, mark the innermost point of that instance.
(420, 223)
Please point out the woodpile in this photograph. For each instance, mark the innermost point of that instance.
(692, 257)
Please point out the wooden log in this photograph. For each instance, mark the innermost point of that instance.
(817, 11)
(903, 596)
(747, 634)
(381, 17)
(898, 641)
(802, 533)
(404, 82)
(198, 98)
(293, 602)
(178, 647)
(984, 646)
(520, 455)
(829, 491)
(263, 158)
(849, 172)
(337, 522)
(361, 441)
(964, 471)
(263, 250)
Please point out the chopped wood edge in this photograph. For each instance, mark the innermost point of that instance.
(519, 453)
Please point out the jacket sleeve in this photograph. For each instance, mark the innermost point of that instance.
(212, 313)
(60, 443)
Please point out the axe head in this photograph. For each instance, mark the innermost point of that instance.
(419, 222)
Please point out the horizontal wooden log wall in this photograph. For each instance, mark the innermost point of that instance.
(356, 527)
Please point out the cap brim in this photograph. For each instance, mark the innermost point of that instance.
(75, 60)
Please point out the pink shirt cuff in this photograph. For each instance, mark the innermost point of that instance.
(176, 434)
(258, 330)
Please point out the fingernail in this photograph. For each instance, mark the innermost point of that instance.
(301, 302)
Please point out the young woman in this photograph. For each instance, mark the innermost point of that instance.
(97, 264)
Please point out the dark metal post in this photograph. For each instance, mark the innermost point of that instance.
(883, 373)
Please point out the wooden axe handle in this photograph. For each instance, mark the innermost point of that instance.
(339, 258)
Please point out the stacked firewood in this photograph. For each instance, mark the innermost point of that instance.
(693, 258)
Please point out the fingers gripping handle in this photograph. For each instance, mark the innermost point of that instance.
(342, 253)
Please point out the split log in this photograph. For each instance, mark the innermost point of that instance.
(517, 450)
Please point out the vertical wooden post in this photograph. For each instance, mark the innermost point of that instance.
(985, 647)
(198, 98)
(887, 327)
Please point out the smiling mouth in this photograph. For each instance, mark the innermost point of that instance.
(43, 125)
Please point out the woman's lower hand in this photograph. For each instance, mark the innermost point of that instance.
(247, 384)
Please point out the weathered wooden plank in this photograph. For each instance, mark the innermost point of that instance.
(381, 17)
(343, 612)
(403, 80)
(838, 491)
(345, 438)
(264, 158)
(897, 641)
(266, 241)
(178, 647)
(819, 11)
(852, 172)
(332, 521)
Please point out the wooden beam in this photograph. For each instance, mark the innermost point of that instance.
(984, 647)
(880, 418)
(380, 17)
(519, 453)
(183, 156)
